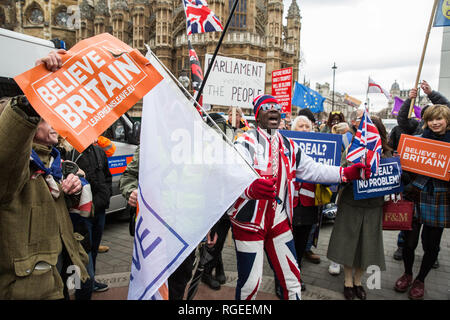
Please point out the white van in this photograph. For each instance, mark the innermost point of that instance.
(18, 54)
(125, 135)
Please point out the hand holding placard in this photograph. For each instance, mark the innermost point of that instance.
(89, 88)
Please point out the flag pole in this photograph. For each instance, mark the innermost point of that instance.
(430, 23)
(200, 91)
(367, 93)
(189, 96)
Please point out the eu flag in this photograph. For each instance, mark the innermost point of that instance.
(305, 97)
(442, 17)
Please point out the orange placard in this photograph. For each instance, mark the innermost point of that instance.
(425, 156)
(101, 78)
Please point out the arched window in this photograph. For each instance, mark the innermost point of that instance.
(239, 20)
(34, 14)
(61, 17)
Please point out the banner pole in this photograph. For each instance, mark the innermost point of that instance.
(427, 36)
(367, 93)
(189, 96)
(200, 91)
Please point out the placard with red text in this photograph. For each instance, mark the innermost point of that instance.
(282, 88)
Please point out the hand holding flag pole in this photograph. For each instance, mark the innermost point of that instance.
(430, 23)
(363, 170)
(366, 147)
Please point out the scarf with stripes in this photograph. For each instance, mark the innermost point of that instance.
(53, 174)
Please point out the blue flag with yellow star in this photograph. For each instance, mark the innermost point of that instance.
(442, 17)
(305, 97)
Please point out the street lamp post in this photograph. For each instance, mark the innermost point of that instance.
(334, 71)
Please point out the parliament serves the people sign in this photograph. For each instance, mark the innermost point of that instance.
(233, 82)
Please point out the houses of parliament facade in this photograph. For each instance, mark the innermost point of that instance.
(256, 31)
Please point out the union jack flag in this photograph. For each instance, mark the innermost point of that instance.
(196, 73)
(366, 146)
(196, 69)
(199, 18)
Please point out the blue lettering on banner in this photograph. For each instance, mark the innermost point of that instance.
(118, 164)
(324, 148)
(147, 244)
(386, 180)
(140, 238)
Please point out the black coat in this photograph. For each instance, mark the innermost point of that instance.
(305, 215)
(412, 126)
(394, 136)
(94, 163)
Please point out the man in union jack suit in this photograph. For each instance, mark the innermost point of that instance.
(261, 218)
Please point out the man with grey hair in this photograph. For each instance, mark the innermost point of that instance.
(354, 119)
(35, 227)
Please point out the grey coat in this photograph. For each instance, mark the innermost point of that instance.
(357, 237)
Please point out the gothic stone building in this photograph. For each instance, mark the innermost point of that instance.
(46, 19)
(256, 32)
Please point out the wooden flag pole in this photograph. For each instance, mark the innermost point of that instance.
(430, 23)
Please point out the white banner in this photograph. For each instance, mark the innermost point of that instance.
(233, 82)
(188, 178)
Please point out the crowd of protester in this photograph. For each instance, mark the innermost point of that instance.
(45, 229)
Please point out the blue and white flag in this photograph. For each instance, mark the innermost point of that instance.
(305, 97)
(188, 177)
(442, 17)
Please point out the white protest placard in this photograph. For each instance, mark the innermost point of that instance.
(233, 82)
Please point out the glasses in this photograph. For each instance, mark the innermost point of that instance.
(335, 112)
(270, 106)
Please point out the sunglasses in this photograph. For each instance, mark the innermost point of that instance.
(269, 106)
(336, 112)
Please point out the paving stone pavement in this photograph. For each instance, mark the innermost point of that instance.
(114, 266)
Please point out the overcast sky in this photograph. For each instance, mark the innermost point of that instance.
(382, 39)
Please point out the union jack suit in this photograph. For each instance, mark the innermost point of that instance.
(260, 225)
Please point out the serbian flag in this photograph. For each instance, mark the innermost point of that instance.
(199, 18)
(366, 146)
(376, 88)
(188, 177)
(196, 73)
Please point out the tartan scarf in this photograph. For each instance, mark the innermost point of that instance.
(53, 174)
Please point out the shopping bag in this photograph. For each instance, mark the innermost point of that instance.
(397, 214)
